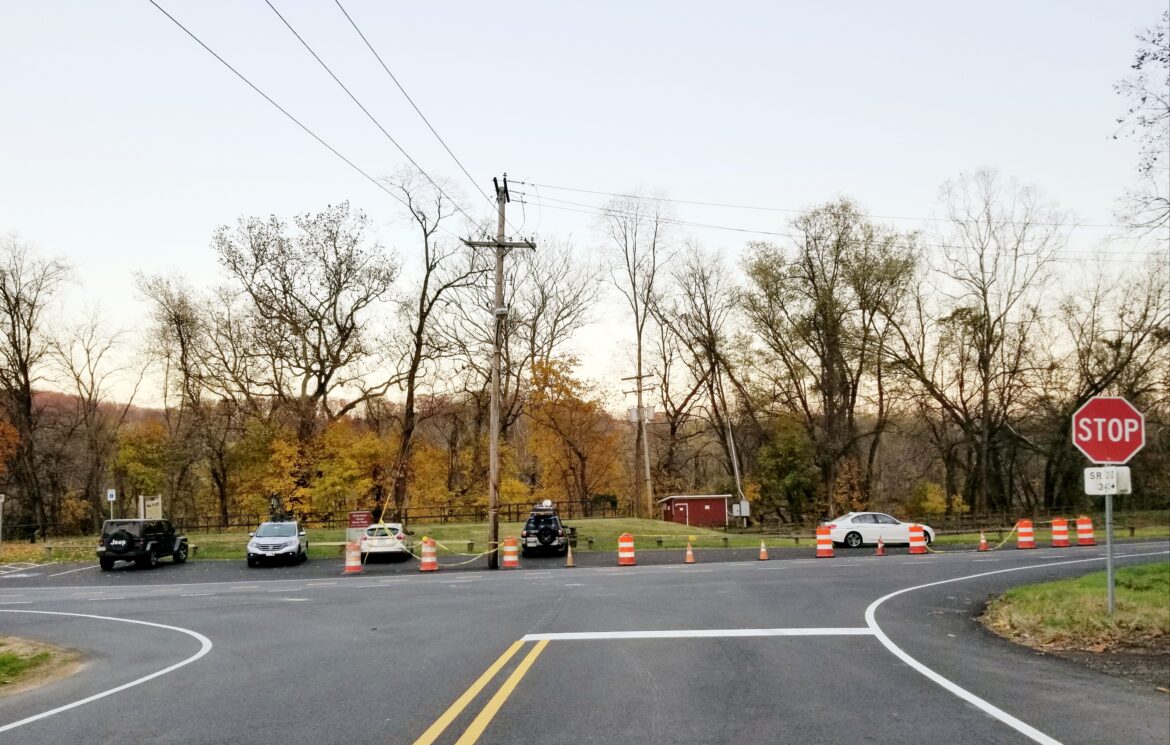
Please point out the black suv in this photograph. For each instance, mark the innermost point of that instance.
(544, 531)
(140, 541)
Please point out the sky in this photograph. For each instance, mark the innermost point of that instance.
(124, 144)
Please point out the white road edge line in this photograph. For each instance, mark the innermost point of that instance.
(71, 571)
(204, 647)
(1022, 727)
(696, 634)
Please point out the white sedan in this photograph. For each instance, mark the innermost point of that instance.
(386, 539)
(856, 528)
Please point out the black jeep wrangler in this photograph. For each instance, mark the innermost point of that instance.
(142, 541)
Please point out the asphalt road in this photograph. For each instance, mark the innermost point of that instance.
(729, 650)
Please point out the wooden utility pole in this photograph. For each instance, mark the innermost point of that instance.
(500, 312)
(642, 442)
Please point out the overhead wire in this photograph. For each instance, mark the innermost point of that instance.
(366, 111)
(285, 111)
(442, 142)
(728, 205)
(588, 209)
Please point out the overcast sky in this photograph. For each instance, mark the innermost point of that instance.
(123, 144)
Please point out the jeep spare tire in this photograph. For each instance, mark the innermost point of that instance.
(546, 536)
(120, 542)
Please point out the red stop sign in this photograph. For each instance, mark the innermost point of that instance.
(1108, 429)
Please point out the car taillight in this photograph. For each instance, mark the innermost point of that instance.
(401, 537)
(831, 527)
(523, 533)
(560, 533)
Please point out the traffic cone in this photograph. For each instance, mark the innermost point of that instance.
(430, 560)
(763, 552)
(353, 558)
(569, 557)
(511, 554)
(1059, 532)
(881, 548)
(1085, 532)
(983, 542)
(1025, 538)
(917, 539)
(824, 543)
(626, 556)
(690, 555)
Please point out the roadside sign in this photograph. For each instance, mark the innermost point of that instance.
(111, 495)
(1107, 480)
(362, 519)
(1108, 429)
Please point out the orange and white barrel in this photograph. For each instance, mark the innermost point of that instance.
(1025, 536)
(511, 553)
(1059, 532)
(1085, 532)
(430, 559)
(917, 539)
(824, 542)
(353, 558)
(626, 550)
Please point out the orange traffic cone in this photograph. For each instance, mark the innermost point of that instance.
(690, 555)
(1059, 532)
(983, 542)
(917, 539)
(763, 552)
(824, 543)
(569, 557)
(881, 548)
(430, 559)
(511, 553)
(1085, 532)
(1026, 537)
(353, 558)
(626, 556)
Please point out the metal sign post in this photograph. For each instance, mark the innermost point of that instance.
(1, 522)
(1107, 481)
(111, 497)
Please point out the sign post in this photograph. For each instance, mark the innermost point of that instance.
(1, 523)
(111, 497)
(1109, 431)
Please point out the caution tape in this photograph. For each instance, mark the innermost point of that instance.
(1007, 538)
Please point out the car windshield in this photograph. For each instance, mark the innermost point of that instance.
(133, 527)
(382, 531)
(536, 522)
(276, 530)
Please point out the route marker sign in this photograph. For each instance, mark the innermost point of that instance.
(1107, 480)
(1108, 429)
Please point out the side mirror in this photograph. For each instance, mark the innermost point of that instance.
(251, 535)
(408, 532)
(302, 533)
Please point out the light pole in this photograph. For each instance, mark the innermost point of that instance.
(1, 523)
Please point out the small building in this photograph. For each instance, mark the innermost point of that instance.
(702, 510)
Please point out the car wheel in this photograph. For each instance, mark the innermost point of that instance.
(180, 554)
(304, 556)
(929, 538)
(106, 564)
(150, 561)
(853, 540)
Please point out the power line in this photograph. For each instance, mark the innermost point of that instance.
(587, 209)
(367, 112)
(786, 211)
(284, 111)
(412, 103)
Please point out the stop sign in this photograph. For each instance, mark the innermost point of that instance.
(1108, 429)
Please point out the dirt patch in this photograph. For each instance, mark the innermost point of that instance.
(1147, 662)
(61, 664)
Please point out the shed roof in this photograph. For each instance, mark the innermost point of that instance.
(694, 496)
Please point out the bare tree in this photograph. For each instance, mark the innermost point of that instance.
(634, 229)
(28, 289)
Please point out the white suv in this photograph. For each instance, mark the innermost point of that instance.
(283, 541)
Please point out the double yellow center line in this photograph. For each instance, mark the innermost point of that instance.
(485, 716)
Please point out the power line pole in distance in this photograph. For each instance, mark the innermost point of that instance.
(500, 311)
(648, 509)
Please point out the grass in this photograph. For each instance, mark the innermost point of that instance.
(1073, 613)
(14, 665)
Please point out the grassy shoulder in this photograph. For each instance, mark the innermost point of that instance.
(26, 664)
(1073, 613)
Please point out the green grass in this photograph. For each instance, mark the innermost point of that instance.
(1074, 612)
(13, 666)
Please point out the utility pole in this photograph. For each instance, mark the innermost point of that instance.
(500, 312)
(647, 509)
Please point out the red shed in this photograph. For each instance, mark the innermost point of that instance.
(705, 510)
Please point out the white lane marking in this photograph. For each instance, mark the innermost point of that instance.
(319, 584)
(108, 597)
(698, 633)
(71, 571)
(295, 600)
(245, 587)
(16, 602)
(196, 594)
(286, 589)
(1022, 727)
(204, 647)
(977, 561)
